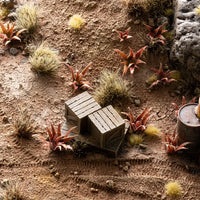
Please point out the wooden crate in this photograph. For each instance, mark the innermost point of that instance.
(106, 128)
(78, 108)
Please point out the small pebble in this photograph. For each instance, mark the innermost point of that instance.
(110, 183)
(94, 190)
(75, 173)
(13, 51)
(128, 164)
(57, 175)
(5, 120)
(125, 168)
(137, 102)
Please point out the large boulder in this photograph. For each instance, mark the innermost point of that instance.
(185, 52)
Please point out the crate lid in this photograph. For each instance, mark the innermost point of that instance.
(106, 119)
(83, 104)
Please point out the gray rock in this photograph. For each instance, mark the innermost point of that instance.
(110, 183)
(13, 51)
(2, 52)
(137, 102)
(185, 52)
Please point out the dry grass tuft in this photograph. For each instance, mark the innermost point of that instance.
(12, 192)
(26, 17)
(76, 21)
(4, 12)
(152, 131)
(112, 89)
(44, 59)
(173, 189)
(24, 125)
(135, 139)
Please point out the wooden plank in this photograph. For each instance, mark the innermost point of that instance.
(73, 99)
(106, 119)
(78, 112)
(96, 123)
(110, 116)
(101, 122)
(116, 116)
(83, 104)
(88, 112)
(79, 101)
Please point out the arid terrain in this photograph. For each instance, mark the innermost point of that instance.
(138, 172)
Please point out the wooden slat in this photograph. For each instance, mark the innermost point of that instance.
(78, 112)
(83, 104)
(106, 119)
(116, 116)
(73, 99)
(107, 112)
(79, 101)
(101, 121)
(96, 123)
(88, 112)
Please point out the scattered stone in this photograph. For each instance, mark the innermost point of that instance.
(91, 5)
(120, 166)
(143, 146)
(78, 185)
(137, 22)
(2, 52)
(128, 164)
(137, 102)
(94, 190)
(110, 183)
(13, 51)
(56, 102)
(75, 173)
(57, 175)
(53, 171)
(125, 168)
(5, 120)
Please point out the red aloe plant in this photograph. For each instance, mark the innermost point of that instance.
(124, 35)
(132, 60)
(137, 124)
(183, 103)
(56, 141)
(77, 77)
(7, 33)
(171, 143)
(156, 33)
(162, 77)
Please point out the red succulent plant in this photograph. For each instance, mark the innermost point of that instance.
(161, 76)
(7, 33)
(171, 143)
(77, 78)
(156, 33)
(56, 141)
(124, 35)
(132, 60)
(137, 124)
(183, 103)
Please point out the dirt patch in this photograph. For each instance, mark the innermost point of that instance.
(137, 173)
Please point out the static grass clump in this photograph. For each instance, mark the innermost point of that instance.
(24, 124)
(12, 192)
(44, 60)
(26, 17)
(112, 89)
(173, 189)
(135, 139)
(76, 21)
(152, 131)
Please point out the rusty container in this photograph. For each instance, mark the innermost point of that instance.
(188, 127)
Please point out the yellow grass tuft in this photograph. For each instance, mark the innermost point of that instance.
(197, 10)
(112, 89)
(173, 189)
(152, 131)
(135, 139)
(44, 59)
(26, 17)
(76, 21)
(4, 12)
